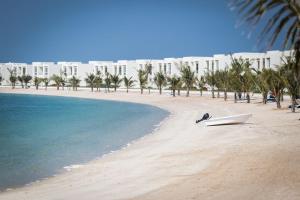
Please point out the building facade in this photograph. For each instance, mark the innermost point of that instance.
(129, 68)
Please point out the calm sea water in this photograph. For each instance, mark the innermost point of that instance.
(40, 135)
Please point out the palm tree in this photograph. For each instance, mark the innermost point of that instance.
(46, 82)
(90, 81)
(37, 81)
(173, 82)
(218, 83)
(283, 16)
(201, 84)
(247, 80)
(116, 80)
(260, 81)
(211, 80)
(276, 83)
(21, 80)
(223, 79)
(98, 81)
(128, 82)
(12, 77)
(160, 80)
(179, 86)
(74, 82)
(235, 72)
(187, 77)
(291, 80)
(142, 78)
(107, 81)
(27, 79)
(57, 80)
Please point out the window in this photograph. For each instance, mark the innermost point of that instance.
(258, 63)
(150, 69)
(116, 70)
(65, 70)
(160, 66)
(169, 70)
(24, 71)
(212, 66)
(71, 70)
(264, 63)
(197, 67)
(165, 68)
(217, 64)
(35, 71)
(75, 71)
(46, 71)
(207, 65)
(269, 62)
(105, 69)
(120, 70)
(124, 70)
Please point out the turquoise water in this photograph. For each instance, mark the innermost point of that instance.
(40, 135)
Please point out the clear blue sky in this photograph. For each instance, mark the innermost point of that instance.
(82, 30)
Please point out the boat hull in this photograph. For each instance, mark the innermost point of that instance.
(235, 119)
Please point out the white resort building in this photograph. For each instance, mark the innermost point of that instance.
(128, 68)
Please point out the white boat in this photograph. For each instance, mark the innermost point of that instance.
(234, 119)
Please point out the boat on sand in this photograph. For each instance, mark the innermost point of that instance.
(234, 119)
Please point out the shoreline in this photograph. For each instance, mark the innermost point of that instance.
(69, 168)
(164, 160)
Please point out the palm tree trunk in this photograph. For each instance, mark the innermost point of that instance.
(141, 90)
(248, 97)
(127, 89)
(178, 92)
(225, 94)
(281, 95)
(115, 88)
(92, 88)
(293, 103)
(278, 101)
(173, 92)
(235, 97)
(265, 95)
(201, 92)
(218, 94)
(160, 90)
(187, 92)
(213, 92)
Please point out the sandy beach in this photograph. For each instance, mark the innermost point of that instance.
(183, 160)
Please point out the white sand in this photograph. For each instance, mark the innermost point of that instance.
(182, 160)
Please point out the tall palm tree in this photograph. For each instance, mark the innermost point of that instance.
(211, 81)
(107, 81)
(98, 81)
(116, 80)
(46, 82)
(74, 82)
(27, 79)
(142, 78)
(247, 79)
(188, 78)
(276, 83)
(37, 81)
(291, 80)
(90, 81)
(57, 80)
(179, 86)
(283, 17)
(223, 79)
(201, 84)
(173, 82)
(236, 69)
(21, 80)
(128, 82)
(160, 80)
(260, 81)
(12, 77)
